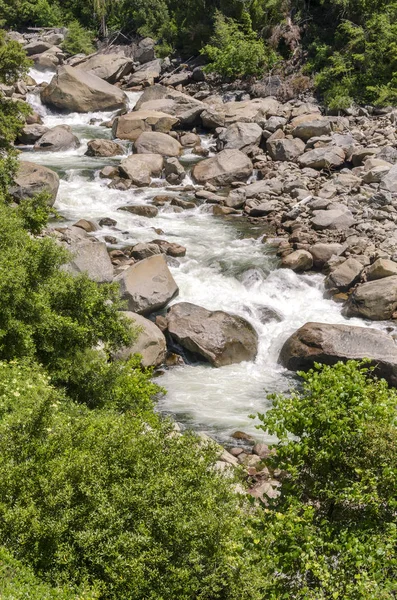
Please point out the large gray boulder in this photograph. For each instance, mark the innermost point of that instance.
(103, 148)
(131, 125)
(141, 167)
(309, 129)
(90, 257)
(322, 252)
(146, 74)
(298, 261)
(328, 344)
(250, 111)
(31, 179)
(148, 285)
(31, 133)
(376, 300)
(151, 142)
(74, 90)
(389, 180)
(239, 135)
(37, 47)
(167, 100)
(150, 343)
(285, 149)
(219, 337)
(224, 168)
(345, 275)
(110, 67)
(59, 138)
(338, 218)
(381, 268)
(328, 157)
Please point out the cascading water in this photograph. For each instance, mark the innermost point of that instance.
(223, 269)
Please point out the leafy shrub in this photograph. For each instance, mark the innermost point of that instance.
(18, 582)
(333, 531)
(46, 313)
(100, 498)
(359, 62)
(78, 40)
(235, 51)
(27, 13)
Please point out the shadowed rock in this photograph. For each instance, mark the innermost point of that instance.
(328, 344)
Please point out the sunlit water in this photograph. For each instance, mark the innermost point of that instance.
(223, 270)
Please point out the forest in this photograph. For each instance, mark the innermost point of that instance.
(347, 47)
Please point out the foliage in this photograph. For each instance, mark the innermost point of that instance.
(13, 65)
(78, 40)
(28, 13)
(333, 531)
(34, 212)
(18, 582)
(235, 51)
(45, 312)
(101, 499)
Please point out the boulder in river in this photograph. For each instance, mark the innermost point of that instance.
(32, 179)
(298, 261)
(131, 125)
(150, 343)
(73, 90)
(224, 168)
(376, 300)
(148, 285)
(141, 167)
(328, 344)
(167, 100)
(92, 258)
(151, 142)
(219, 337)
(31, 133)
(103, 148)
(110, 67)
(59, 138)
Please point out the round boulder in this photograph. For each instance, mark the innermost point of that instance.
(150, 343)
(148, 285)
(56, 139)
(328, 344)
(224, 168)
(73, 90)
(32, 179)
(154, 142)
(103, 148)
(219, 337)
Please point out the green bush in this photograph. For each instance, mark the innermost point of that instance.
(18, 582)
(78, 40)
(46, 313)
(28, 13)
(333, 531)
(235, 51)
(105, 500)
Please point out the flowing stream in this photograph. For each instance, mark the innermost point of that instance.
(226, 267)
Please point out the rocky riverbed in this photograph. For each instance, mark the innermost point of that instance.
(249, 236)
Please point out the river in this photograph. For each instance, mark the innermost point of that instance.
(226, 267)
